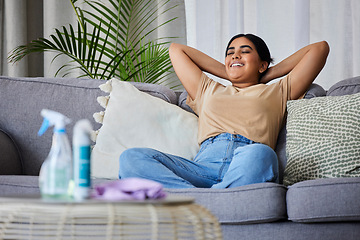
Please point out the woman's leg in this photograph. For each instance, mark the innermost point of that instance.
(223, 161)
(254, 163)
(169, 170)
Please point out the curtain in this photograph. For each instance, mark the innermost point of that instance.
(1, 33)
(285, 25)
(19, 24)
(22, 21)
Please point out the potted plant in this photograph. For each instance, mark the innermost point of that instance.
(109, 40)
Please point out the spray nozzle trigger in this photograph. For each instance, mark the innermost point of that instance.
(45, 125)
(52, 118)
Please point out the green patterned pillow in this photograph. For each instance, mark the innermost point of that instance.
(323, 138)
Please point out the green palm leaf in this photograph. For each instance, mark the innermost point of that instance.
(108, 41)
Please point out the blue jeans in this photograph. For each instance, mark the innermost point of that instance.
(223, 161)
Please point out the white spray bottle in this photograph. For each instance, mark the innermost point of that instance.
(81, 156)
(56, 171)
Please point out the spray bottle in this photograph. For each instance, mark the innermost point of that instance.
(81, 156)
(56, 171)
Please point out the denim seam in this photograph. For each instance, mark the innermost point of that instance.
(229, 148)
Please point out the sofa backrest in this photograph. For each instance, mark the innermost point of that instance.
(22, 99)
(345, 87)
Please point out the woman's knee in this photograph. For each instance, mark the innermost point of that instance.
(131, 160)
(129, 155)
(260, 152)
(262, 159)
(268, 160)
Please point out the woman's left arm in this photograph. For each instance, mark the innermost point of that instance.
(303, 67)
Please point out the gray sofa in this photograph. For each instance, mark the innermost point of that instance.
(315, 209)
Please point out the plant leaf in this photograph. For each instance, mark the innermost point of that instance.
(109, 41)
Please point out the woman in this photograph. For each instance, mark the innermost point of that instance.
(238, 124)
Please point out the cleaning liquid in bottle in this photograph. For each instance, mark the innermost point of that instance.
(81, 156)
(56, 171)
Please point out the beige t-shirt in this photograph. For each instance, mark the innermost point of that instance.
(256, 112)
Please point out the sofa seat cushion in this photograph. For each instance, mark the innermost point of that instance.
(256, 203)
(324, 200)
(14, 185)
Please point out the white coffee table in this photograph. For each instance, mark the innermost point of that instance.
(172, 218)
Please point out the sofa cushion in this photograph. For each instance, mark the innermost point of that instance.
(136, 119)
(323, 138)
(324, 200)
(19, 185)
(10, 158)
(315, 90)
(345, 87)
(255, 203)
(182, 102)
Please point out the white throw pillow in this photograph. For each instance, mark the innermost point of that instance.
(136, 119)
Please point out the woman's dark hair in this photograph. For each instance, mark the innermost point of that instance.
(260, 45)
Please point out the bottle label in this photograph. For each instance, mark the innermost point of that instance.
(84, 166)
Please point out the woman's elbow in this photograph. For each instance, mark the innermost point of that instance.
(324, 47)
(174, 47)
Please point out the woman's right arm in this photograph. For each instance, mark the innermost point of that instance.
(189, 64)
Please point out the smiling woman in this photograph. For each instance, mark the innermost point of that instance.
(237, 147)
(243, 64)
(259, 45)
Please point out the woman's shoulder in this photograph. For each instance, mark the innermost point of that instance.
(206, 82)
(282, 85)
(280, 82)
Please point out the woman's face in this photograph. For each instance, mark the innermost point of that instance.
(243, 64)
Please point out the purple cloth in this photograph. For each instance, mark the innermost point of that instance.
(129, 189)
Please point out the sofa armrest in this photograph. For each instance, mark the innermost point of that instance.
(10, 158)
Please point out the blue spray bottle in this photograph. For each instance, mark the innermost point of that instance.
(56, 171)
(81, 156)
